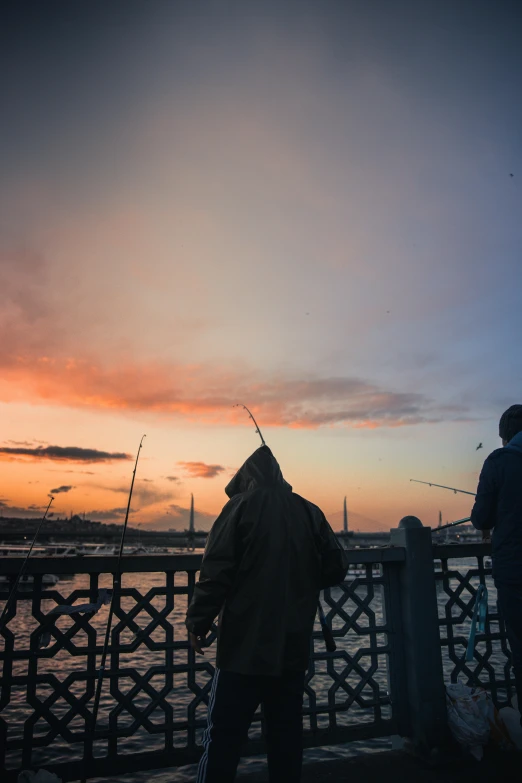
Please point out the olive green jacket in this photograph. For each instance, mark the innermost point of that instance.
(268, 555)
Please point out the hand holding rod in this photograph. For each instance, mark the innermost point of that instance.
(22, 568)
(327, 633)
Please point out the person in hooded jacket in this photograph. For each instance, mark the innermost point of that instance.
(498, 507)
(268, 555)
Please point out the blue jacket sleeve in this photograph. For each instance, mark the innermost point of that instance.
(218, 570)
(483, 514)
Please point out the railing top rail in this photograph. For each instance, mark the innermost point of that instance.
(382, 554)
(92, 564)
(102, 564)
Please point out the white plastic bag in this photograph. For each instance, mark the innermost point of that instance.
(469, 713)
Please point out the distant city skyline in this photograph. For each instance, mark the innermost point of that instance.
(190, 515)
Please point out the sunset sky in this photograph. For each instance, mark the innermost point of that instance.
(311, 208)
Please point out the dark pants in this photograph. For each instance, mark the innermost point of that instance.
(509, 598)
(234, 699)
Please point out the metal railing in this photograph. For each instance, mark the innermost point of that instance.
(391, 621)
(156, 689)
(463, 568)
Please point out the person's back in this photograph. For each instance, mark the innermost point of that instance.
(498, 504)
(498, 507)
(268, 554)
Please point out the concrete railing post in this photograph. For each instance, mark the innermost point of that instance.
(426, 694)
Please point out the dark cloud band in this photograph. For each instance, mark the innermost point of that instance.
(64, 453)
(60, 490)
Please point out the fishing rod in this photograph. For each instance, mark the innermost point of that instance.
(116, 587)
(451, 524)
(455, 490)
(431, 484)
(240, 405)
(327, 633)
(22, 568)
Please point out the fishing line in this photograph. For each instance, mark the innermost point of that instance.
(116, 588)
(22, 569)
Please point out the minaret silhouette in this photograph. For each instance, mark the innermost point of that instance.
(191, 523)
(345, 517)
(440, 518)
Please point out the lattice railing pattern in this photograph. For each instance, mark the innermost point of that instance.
(156, 690)
(462, 569)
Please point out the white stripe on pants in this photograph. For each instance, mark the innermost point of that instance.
(202, 769)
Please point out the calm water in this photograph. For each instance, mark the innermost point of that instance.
(365, 644)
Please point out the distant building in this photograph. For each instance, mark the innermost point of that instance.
(191, 520)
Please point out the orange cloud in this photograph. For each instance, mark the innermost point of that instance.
(40, 362)
(207, 393)
(201, 469)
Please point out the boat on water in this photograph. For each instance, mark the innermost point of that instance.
(20, 550)
(139, 550)
(97, 549)
(112, 550)
(61, 550)
(27, 580)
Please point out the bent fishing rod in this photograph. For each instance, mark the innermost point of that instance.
(326, 630)
(116, 587)
(240, 405)
(22, 569)
(454, 489)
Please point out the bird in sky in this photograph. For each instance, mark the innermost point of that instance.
(478, 447)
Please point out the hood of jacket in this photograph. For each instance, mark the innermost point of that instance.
(261, 469)
(515, 443)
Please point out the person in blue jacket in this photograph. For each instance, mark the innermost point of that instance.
(498, 508)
